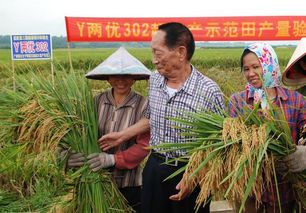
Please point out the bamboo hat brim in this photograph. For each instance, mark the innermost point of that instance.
(293, 76)
(120, 62)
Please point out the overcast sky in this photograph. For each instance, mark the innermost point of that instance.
(47, 16)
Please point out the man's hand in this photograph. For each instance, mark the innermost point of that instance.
(114, 139)
(183, 192)
(101, 160)
(297, 160)
(111, 140)
(75, 160)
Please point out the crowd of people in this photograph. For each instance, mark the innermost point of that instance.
(129, 122)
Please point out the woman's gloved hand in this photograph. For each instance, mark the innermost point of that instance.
(98, 161)
(296, 161)
(75, 160)
(71, 159)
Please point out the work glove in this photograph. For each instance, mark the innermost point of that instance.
(297, 160)
(101, 160)
(70, 158)
(61, 153)
(75, 160)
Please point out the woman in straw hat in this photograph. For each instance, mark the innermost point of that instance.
(295, 75)
(118, 108)
(260, 67)
(295, 72)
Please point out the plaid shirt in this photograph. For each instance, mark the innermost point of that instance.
(294, 105)
(198, 93)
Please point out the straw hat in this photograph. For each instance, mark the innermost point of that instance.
(120, 62)
(293, 74)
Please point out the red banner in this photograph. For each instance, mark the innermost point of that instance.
(244, 28)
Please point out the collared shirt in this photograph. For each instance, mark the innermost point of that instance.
(113, 118)
(294, 105)
(198, 93)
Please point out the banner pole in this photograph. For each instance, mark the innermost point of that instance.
(69, 55)
(14, 79)
(51, 61)
(13, 65)
(52, 71)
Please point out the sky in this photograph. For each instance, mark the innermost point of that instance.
(47, 16)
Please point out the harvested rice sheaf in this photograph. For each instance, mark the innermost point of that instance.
(233, 158)
(39, 116)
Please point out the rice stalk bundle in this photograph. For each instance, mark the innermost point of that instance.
(39, 117)
(234, 157)
(31, 177)
(29, 181)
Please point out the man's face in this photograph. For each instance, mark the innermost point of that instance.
(166, 60)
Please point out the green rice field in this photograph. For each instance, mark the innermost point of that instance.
(221, 65)
(31, 177)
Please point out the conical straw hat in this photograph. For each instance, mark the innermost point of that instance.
(120, 62)
(293, 74)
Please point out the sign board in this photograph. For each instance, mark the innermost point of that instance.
(239, 28)
(31, 47)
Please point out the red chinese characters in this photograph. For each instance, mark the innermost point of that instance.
(244, 28)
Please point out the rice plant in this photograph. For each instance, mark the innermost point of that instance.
(35, 120)
(234, 157)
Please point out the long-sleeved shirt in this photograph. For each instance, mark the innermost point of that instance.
(197, 93)
(113, 118)
(294, 105)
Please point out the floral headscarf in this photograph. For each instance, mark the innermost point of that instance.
(271, 72)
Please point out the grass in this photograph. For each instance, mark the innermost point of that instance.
(206, 57)
(222, 65)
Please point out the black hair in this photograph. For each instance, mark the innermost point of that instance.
(298, 67)
(178, 34)
(245, 52)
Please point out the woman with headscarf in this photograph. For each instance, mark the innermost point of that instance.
(260, 67)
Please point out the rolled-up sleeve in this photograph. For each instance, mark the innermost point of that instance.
(132, 157)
